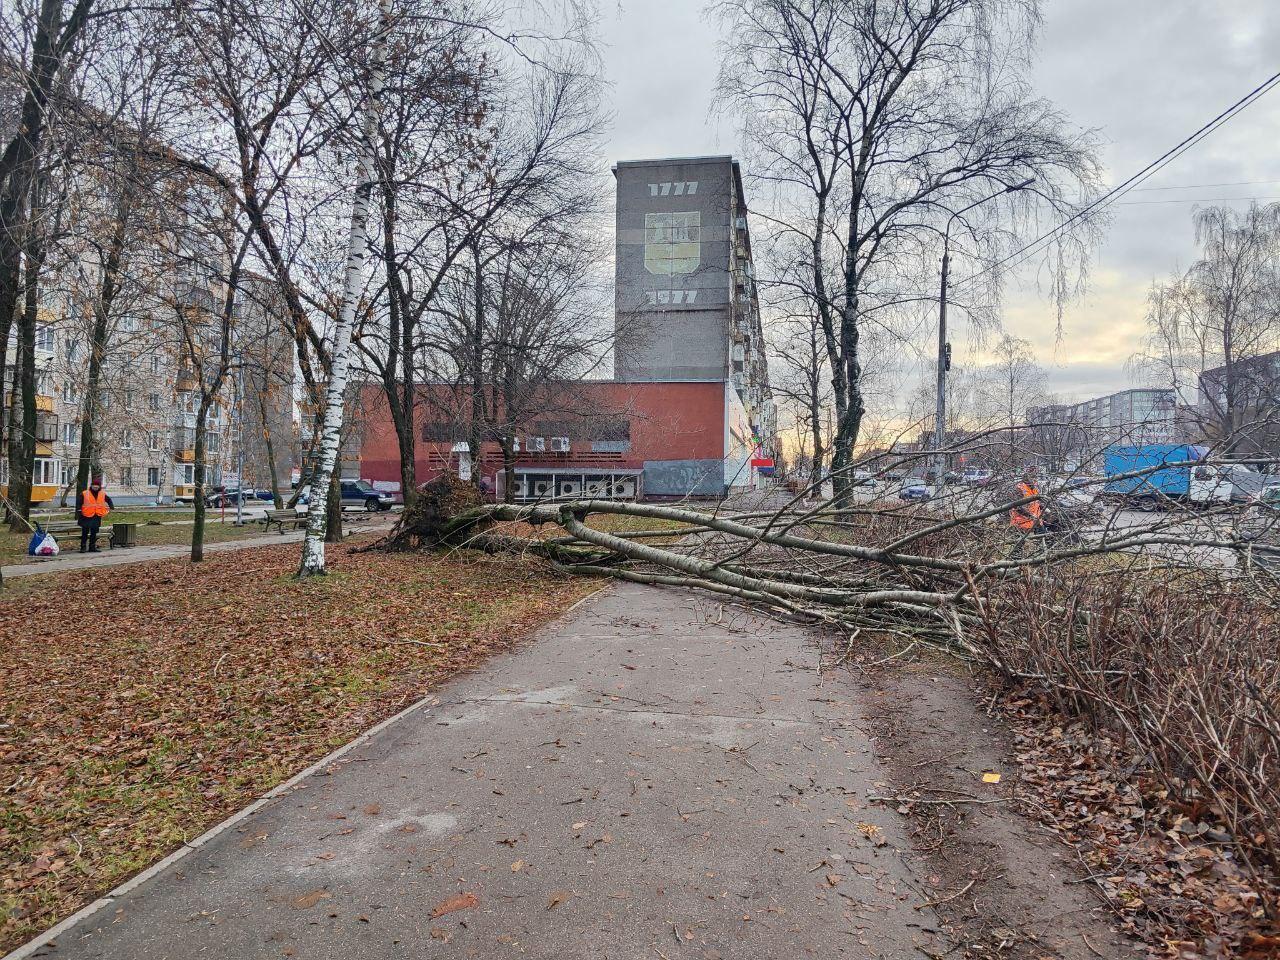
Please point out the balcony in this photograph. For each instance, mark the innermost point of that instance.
(185, 455)
(44, 404)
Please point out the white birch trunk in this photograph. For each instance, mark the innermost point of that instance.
(331, 430)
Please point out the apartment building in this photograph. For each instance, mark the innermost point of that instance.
(148, 399)
(1074, 435)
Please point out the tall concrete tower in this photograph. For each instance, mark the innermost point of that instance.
(685, 296)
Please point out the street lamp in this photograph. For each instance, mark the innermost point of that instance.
(944, 348)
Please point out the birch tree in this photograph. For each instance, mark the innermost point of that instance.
(313, 557)
(868, 124)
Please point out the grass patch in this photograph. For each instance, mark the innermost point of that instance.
(137, 711)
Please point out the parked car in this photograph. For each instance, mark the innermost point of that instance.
(355, 493)
(915, 489)
(863, 478)
(976, 476)
(222, 497)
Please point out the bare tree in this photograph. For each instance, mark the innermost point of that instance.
(803, 385)
(40, 40)
(1210, 329)
(1011, 384)
(873, 122)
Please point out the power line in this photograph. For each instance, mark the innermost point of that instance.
(1025, 252)
(1134, 203)
(1197, 186)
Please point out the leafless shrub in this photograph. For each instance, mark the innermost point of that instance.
(1182, 669)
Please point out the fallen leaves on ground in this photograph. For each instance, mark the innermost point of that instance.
(142, 704)
(1171, 880)
(460, 901)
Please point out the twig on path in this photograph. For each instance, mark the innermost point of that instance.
(947, 899)
(941, 802)
(219, 663)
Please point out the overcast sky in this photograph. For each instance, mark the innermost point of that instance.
(1143, 73)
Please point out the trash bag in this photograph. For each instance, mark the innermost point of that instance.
(45, 547)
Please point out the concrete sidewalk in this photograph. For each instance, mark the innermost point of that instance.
(73, 560)
(655, 777)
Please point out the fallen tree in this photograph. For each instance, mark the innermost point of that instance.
(1160, 629)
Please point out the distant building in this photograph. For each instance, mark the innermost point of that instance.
(1239, 406)
(1072, 435)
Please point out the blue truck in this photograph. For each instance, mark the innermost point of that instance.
(1184, 478)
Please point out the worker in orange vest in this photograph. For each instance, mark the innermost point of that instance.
(91, 506)
(1026, 517)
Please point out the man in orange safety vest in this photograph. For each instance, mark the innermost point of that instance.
(92, 506)
(1026, 517)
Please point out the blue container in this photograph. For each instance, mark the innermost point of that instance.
(1168, 481)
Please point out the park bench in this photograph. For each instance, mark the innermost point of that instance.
(281, 518)
(121, 534)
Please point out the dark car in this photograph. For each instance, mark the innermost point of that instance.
(222, 497)
(355, 493)
(915, 489)
(362, 492)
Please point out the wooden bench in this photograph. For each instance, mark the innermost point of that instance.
(281, 518)
(115, 536)
(59, 527)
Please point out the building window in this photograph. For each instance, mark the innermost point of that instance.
(153, 476)
(155, 363)
(126, 476)
(153, 402)
(45, 473)
(45, 338)
(70, 433)
(126, 439)
(130, 396)
(153, 440)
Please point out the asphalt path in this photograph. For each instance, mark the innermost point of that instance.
(657, 777)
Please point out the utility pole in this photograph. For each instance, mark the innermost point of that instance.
(944, 362)
(944, 348)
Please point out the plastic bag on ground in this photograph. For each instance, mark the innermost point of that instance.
(43, 545)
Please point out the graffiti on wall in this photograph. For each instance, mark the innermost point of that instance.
(678, 478)
(739, 444)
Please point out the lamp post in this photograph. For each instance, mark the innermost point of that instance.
(944, 348)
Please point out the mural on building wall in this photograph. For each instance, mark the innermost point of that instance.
(672, 242)
(739, 442)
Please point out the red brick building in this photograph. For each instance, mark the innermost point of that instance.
(651, 439)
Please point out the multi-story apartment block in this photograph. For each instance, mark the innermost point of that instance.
(1073, 435)
(686, 305)
(148, 401)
